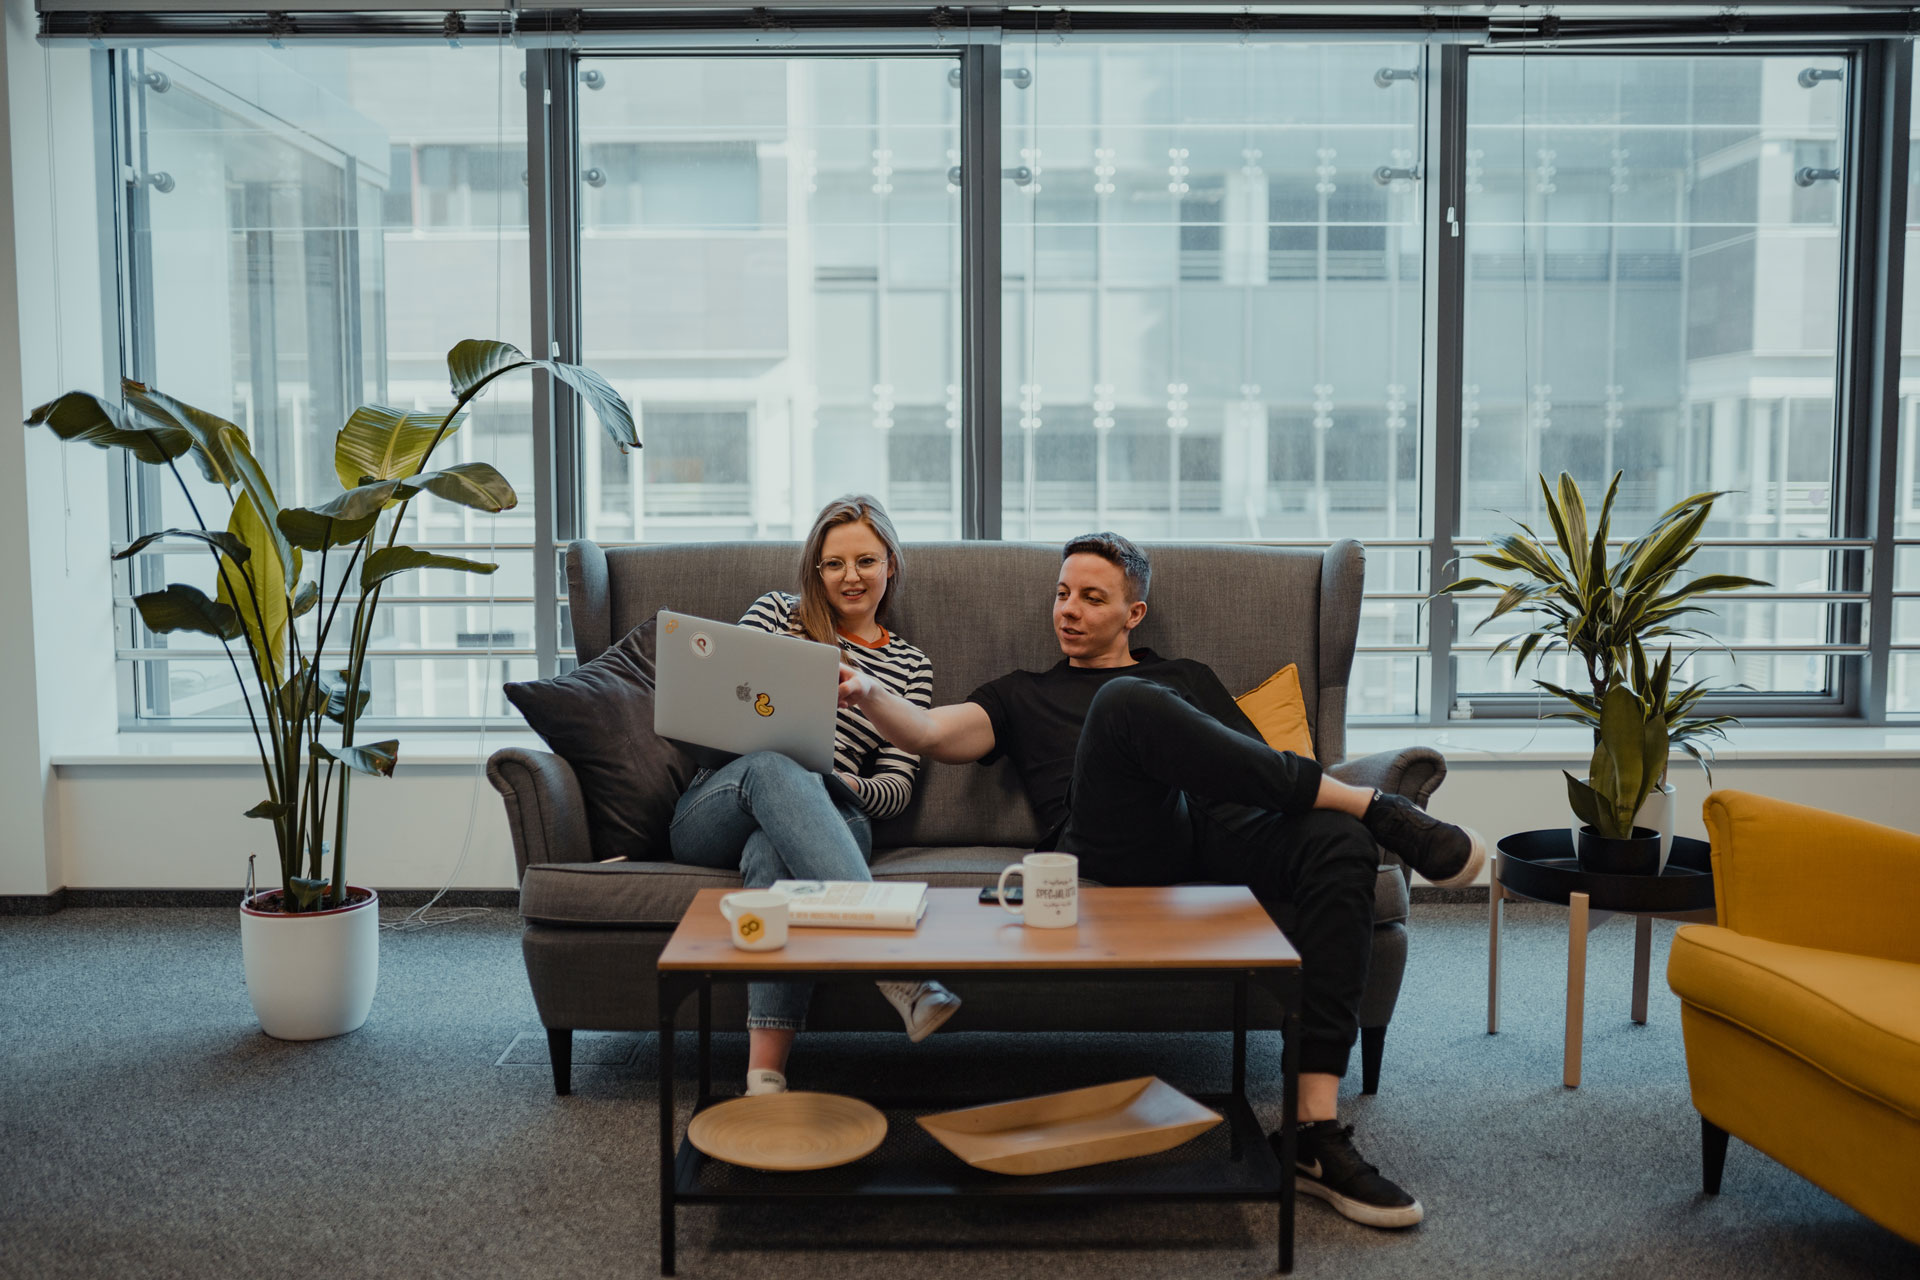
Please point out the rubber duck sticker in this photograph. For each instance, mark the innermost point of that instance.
(762, 704)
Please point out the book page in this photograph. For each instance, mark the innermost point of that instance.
(847, 895)
(859, 903)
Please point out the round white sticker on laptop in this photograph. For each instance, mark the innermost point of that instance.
(702, 644)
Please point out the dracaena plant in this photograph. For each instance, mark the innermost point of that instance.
(1609, 612)
(1630, 748)
(292, 691)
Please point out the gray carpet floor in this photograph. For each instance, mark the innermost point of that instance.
(148, 1128)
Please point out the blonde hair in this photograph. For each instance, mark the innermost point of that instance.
(817, 618)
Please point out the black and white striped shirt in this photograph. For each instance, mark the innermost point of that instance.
(886, 773)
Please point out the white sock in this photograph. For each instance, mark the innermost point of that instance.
(765, 1080)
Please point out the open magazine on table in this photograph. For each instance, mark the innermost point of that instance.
(853, 904)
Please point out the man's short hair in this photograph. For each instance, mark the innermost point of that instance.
(1117, 550)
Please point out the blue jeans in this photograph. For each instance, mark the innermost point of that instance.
(773, 820)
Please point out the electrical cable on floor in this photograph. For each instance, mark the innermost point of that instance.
(423, 916)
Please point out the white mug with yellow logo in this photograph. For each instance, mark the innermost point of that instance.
(758, 919)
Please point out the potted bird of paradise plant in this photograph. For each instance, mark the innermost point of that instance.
(1610, 613)
(310, 939)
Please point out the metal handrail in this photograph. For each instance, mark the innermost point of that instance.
(477, 653)
(126, 602)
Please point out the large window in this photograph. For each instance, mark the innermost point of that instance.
(1204, 309)
(769, 272)
(1653, 283)
(1903, 693)
(312, 229)
(1211, 262)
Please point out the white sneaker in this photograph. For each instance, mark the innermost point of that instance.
(923, 1006)
(765, 1080)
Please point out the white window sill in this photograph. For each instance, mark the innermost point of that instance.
(161, 748)
(1531, 741)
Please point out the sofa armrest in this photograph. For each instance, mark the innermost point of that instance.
(1413, 772)
(1809, 878)
(545, 810)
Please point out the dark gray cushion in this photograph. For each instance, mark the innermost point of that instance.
(599, 719)
(655, 895)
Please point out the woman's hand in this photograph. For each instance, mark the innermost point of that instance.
(856, 686)
(851, 779)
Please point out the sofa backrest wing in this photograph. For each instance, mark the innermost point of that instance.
(980, 609)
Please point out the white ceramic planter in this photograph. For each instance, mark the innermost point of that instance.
(311, 976)
(1656, 811)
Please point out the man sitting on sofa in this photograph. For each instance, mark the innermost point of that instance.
(1146, 769)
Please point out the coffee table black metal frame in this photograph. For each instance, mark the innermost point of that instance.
(1249, 1169)
(1539, 866)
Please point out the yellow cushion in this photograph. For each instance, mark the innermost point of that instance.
(1855, 1017)
(1279, 712)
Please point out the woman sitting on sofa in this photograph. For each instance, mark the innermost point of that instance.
(775, 820)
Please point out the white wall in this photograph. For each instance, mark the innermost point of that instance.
(56, 635)
(152, 825)
(165, 824)
(1499, 799)
(1507, 778)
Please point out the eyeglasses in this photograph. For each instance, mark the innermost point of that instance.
(865, 566)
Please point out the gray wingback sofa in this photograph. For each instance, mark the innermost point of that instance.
(978, 609)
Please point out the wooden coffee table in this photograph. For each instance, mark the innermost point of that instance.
(1124, 935)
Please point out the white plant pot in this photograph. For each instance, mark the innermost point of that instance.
(1656, 811)
(311, 975)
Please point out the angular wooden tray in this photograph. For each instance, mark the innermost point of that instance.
(1073, 1129)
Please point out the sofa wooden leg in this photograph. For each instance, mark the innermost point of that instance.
(560, 1053)
(1713, 1155)
(1373, 1043)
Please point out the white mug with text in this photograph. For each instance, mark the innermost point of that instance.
(758, 919)
(1052, 890)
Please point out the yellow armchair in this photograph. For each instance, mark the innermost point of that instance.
(1801, 1008)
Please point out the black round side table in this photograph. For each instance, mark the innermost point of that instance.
(1539, 866)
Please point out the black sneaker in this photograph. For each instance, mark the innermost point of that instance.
(1327, 1166)
(1447, 855)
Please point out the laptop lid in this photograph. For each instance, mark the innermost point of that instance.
(739, 689)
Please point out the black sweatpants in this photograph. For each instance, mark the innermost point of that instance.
(1164, 793)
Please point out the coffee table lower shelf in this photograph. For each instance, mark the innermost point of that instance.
(1232, 1161)
(1125, 936)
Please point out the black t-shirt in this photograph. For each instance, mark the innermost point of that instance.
(1037, 717)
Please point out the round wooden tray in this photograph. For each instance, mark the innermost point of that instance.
(788, 1132)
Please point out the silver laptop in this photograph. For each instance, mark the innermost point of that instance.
(735, 690)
